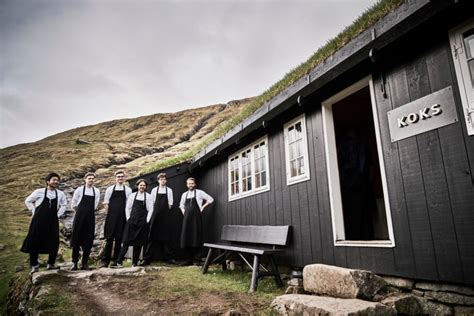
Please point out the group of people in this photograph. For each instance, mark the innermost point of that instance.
(140, 220)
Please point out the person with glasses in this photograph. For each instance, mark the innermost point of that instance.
(46, 205)
(115, 200)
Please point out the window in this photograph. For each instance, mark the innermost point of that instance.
(296, 151)
(462, 48)
(360, 209)
(248, 170)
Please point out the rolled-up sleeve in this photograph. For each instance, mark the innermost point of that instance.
(108, 194)
(62, 203)
(149, 207)
(128, 207)
(31, 200)
(183, 200)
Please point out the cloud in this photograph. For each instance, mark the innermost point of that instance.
(91, 61)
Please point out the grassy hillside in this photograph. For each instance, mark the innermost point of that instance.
(128, 144)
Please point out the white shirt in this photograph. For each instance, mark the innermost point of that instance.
(36, 198)
(140, 197)
(77, 196)
(162, 190)
(118, 187)
(200, 196)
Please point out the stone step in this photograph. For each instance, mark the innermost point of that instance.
(322, 279)
(302, 304)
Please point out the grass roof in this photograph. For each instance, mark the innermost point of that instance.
(367, 19)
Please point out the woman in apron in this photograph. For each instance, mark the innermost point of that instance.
(46, 206)
(84, 201)
(138, 213)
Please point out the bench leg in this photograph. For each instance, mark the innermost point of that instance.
(278, 281)
(207, 262)
(256, 264)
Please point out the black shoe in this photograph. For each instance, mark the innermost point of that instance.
(144, 263)
(85, 267)
(74, 267)
(104, 264)
(186, 263)
(51, 267)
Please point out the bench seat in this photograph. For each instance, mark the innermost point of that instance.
(248, 240)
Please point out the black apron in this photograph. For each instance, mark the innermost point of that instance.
(159, 222)
(115, 220)
(43, 234)
(191, 235)
(83, 227)
(136, 228)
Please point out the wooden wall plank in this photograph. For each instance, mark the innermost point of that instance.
(423, 247)
(397, 89)
(313, 200)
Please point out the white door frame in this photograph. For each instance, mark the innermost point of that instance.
(333, 169)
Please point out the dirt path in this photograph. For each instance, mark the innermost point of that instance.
(136, 291)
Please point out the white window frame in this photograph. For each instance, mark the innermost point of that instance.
(462, 72)
(333, 169)
(254, 190)
(306, 175)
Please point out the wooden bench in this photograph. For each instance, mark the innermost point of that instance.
(257, 241)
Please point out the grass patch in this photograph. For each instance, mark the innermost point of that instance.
(371, 16)
(190, 281)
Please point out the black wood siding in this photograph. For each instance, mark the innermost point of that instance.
(429, 179)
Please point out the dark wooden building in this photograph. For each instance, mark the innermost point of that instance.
(369, 157)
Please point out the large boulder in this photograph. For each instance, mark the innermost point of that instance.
(301, 304)
(340, 282)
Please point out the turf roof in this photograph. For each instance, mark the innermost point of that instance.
(367, 19)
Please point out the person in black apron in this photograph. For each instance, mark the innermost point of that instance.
(115, 200)
(158, 239)
(193, 202)
(46, 206)
(84, 201)
(138, 213)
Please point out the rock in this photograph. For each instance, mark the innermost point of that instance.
(445, 288)
(2, 246)
(19, 268)
(82, 142)
(433, 308)
(418, 293)
(41, 276)
(339, 282)
(463, 310)
(450, 298)
(295, 282)
(403, 304)
(42, 291)
(301, 304)
(399, 282)
(295, 290)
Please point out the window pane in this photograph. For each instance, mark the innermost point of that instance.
(469, 43)
(249, 183)
(264, 178)
(257, 181)
(293, 168)
(300, 166)
(299, 149)
(298, 129)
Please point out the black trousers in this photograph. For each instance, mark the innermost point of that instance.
(86, 251)
(160, 250)
(34, 258)
(109, 245)
(135, 254)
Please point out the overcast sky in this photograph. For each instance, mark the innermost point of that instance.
(65, 64)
